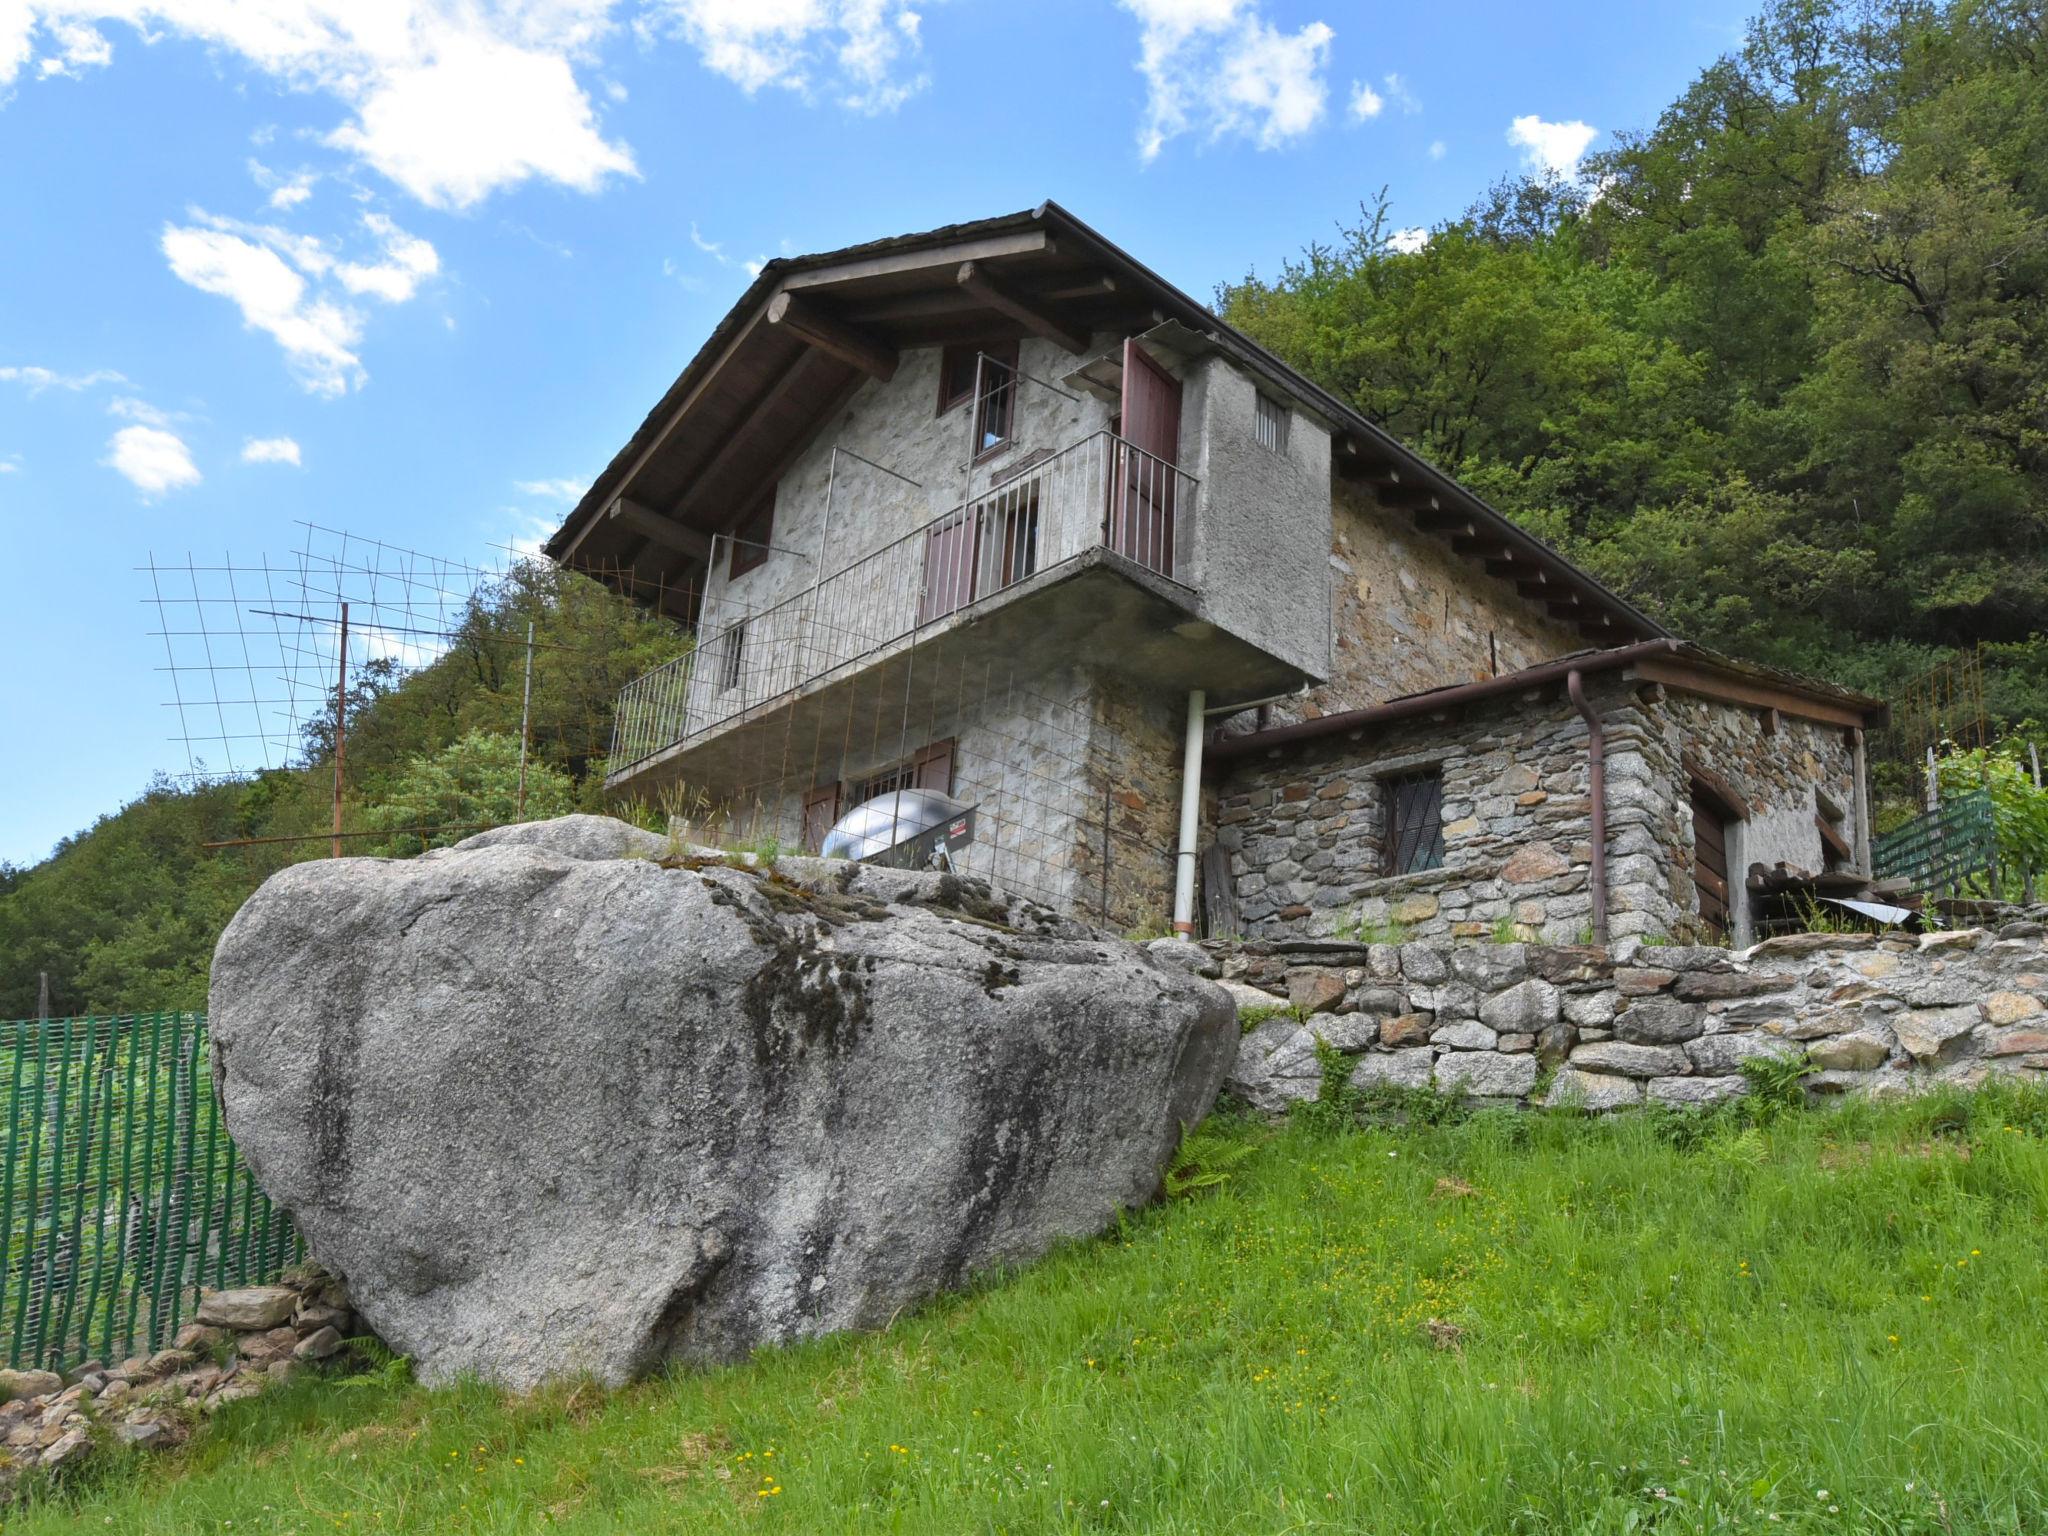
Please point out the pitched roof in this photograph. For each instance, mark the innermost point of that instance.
(756, 391)
(1677, 664)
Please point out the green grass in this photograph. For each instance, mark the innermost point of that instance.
(1675, 1325)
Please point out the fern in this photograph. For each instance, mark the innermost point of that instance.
(1205, 1160)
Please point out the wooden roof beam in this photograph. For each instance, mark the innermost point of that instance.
(741, 433)
(1029, 242)
(973, 279)
(631, 516)
(810, 324)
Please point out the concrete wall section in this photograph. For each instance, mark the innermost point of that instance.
(1262, 538)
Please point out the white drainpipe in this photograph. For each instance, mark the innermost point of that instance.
(1190, 815)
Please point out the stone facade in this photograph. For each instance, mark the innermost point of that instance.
(1636, 1024)
(1305, 825)
(1408, 614)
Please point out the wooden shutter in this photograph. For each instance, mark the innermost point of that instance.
(951, 551)
(821, 809)
(933, 767)
(1710, 862)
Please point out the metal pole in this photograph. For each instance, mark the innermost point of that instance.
(1190, 815)
(525, 719)
(340, 725)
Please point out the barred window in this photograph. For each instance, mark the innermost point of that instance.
(1270, 424)
(732, 641)
(1414, 807)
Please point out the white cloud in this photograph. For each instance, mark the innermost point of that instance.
(407, 261)
(128, 408)
(529, 531)
(451, 99)
(861, 53)
(1408, 241)
(1366, 103)
(1438, 149)
(1400, 95)
(11, 465)
(565, 490)
(39, 379)
(291, 286)
(716, 251)
(1218, 67)
(1553, 147)
(286, 192)
(317, 335)
(271, 450)
(152, 459)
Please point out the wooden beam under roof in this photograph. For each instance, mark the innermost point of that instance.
(812, 325)
(740, 435)
(628, 514)
(973, 279)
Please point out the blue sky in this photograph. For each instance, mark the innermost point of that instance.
(415, 268)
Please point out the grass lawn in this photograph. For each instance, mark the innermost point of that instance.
(1838, 1322)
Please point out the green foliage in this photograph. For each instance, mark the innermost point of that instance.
(1654, 1339)
(1782, 382)
(1356, 930)
(124, 917)
(2019, 808)
(1777, 1087)
(469, 784)
(1207, 1156)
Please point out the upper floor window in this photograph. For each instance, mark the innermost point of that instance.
(1413, 809)
(1270, 424)
(994, 364)
(751, 536)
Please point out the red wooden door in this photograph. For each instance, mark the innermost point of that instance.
(933, 767)
(1710, 863)
(821, 809)
(1142, 498)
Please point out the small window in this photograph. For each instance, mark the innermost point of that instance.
(751, 536)
(1414, 808)
(730, 655)
(1270, 424)
(994, 363)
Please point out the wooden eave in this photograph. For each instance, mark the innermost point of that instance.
(1724, 685)
(811, 330)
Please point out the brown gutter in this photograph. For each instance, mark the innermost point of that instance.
(1596, 793)
(1441, 699)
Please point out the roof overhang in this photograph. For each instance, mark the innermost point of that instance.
(810, 330)
(1675, 664)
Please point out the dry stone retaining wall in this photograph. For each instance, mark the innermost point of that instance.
(1608, 1028)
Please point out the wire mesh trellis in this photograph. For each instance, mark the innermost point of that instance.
(120, 1192)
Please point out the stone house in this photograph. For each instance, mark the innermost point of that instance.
(994, 510)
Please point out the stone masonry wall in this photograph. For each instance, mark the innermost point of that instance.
(1304, 828)
(1634, 1024)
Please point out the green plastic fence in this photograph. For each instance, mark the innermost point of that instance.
(1939, 851)
(120, 1192)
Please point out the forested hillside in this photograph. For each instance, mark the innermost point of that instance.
(123, 917)
(1777, 368)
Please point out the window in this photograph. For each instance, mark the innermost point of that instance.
(728, 654)
(931, 768)
(1269, 424)
(751, 536)
(1414, 810)
(995, 364)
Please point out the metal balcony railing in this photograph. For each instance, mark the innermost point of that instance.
(1102, 492)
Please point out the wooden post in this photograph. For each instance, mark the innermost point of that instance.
(340, 725)
(43, 996)
(525, 719)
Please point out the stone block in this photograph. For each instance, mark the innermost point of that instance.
(1642, 980)
(1424, 963)
(1591, 1010)
(2007, 1007)
(1724, 1053)
(1316, 991)
(1399, 1069)
(1406, 1029)
(1700, 986)
(1858, 1052)
(1927, 1033)
(1626, 1060)
(1464, 1035)
(1525, 1007)
(1533, 863)
(252, 1308)
(1593, 1091)
(1419, 908)
(1347, 1032)
(1659, 1021)
(1490, 967)
(2017, 1042)
(1486, 1074)
(1696, 1090)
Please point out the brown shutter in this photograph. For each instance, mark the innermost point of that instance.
(933, 767)
(821, 809)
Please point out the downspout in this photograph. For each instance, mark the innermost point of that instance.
(1596, 793)
(1190, 816)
